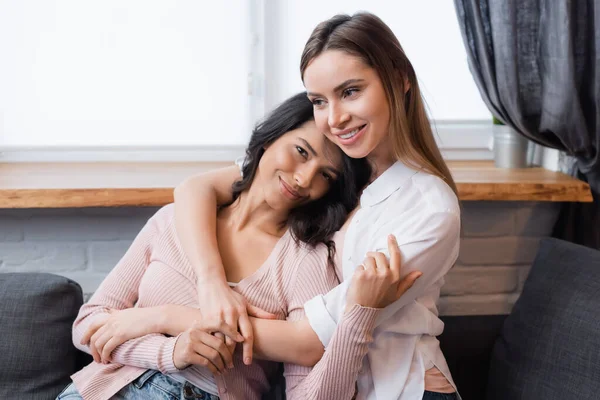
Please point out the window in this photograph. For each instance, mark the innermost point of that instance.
(186, 75)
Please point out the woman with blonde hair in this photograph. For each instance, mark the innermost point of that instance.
(366, 100)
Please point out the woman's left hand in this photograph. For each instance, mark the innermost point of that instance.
(105, 334)
(379, 282)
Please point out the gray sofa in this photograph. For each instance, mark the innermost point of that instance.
(547, 348)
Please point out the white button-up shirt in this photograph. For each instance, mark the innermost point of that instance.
(424, 215)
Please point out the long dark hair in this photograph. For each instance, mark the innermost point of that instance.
(317, 221)
(367, 37)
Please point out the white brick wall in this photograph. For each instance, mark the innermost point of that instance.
(500, 240)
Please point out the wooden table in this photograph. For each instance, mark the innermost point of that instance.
(63, 185)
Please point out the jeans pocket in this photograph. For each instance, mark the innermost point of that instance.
(70, 392)
(139, 382)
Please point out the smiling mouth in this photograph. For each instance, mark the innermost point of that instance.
(288, 191)
(352, 133)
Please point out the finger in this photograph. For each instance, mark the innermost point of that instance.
(230, 348)
(93, 345)
(94, 326)
(230, 324)
(395, 256)
(219, 345)
(222, 327)
(248, 344)
(381, 261)
(205, 350)
(109, 347)
(259, 313)
(407, 282)
(100, 343)
(369, 263)
(197, 359)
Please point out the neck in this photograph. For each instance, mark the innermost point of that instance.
(251, 210)
(381, 158)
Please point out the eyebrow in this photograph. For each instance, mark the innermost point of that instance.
(340, 86)
(310, 148)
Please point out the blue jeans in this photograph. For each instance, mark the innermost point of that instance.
(152, 385)
(439, 396)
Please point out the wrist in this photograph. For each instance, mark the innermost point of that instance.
(212, 276)
(161, 319)
(175, 319)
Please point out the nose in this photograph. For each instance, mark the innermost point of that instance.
(337, 116)
(304, 174)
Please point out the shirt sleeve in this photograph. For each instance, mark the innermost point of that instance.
(240, 163)
(119, 291)
(428, 244)
(334, 376)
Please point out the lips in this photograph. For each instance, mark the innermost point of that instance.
(288, 192)
(352, 139)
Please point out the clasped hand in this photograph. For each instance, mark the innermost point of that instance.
(378, 282)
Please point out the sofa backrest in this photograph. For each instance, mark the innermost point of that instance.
(37, 356)
(550, 344)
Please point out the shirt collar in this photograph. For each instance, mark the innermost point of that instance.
(387, 183)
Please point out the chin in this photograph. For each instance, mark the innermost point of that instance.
(355, 152)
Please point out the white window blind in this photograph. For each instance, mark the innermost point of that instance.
(124, 73)
(189, 78)
(428, 31)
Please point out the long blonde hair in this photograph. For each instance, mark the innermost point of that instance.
(366, 36)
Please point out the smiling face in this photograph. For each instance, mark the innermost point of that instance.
(350, 104)
(297, 168)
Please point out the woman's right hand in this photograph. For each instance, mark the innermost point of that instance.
(197, 346)
(377, 283)
(218, 302)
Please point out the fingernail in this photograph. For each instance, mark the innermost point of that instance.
(247, 361)
(392, 237)
(240, 338)
(230, 365)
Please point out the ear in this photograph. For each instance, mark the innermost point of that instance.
(406, 85)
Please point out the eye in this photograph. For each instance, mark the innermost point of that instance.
(317, 102)
(349, 92)
(302, 152)
(327, 177)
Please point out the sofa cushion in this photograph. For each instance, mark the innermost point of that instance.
(550, 343)
(36, 351)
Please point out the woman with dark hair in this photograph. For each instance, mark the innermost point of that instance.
(274, 237)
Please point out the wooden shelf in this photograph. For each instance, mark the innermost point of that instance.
(63, 185)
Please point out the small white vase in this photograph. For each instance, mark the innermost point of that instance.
(510, 148)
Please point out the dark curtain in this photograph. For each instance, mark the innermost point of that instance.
(537, 64)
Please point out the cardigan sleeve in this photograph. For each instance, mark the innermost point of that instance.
(334, 376)
(119, 291)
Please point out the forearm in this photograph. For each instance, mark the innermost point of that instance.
(195, 221)
(153, 351)
(286, 341)
(334, 376)
(172, 319)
